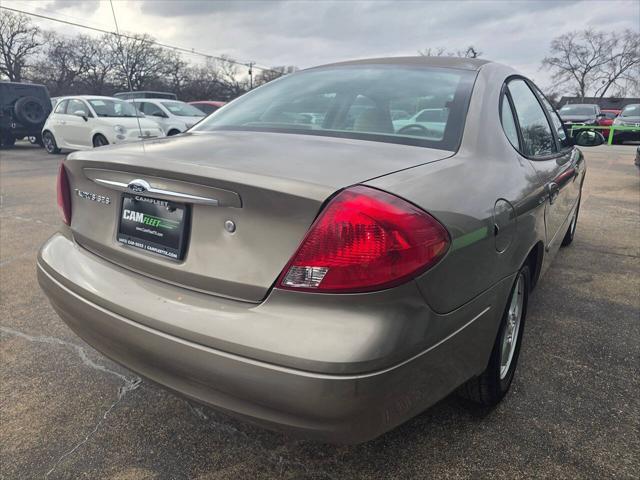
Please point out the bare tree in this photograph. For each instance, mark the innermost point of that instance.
(592, 62)
(469, 52)
(64, 62)
(265, 76)
(137, 60)
(19, 41)
(230, 78)
(98, 77)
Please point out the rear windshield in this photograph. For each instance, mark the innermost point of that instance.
(632, 110)
(413, 106)
(578, 110)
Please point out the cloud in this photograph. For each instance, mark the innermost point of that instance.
(308, 33)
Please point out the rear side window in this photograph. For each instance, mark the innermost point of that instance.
(537, 137)
(509, 123)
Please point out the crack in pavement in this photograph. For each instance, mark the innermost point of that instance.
(130, 384)
(82, 353)
(122, 391)
(276, 457)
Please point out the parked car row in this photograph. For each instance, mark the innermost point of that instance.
(591, 115)
(88, 121)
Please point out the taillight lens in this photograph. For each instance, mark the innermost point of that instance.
(365, 240)
(64, 194)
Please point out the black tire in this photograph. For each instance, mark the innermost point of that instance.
(571, 231)
(172, 133)
(30, 111)
(100, 141)
(491, 386)
(49, 142)
(7, 140)
(36, 140)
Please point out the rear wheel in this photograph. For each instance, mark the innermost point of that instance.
(49, 142)
(493, 384)
(7, 140)
(100, 141)
(571, 231)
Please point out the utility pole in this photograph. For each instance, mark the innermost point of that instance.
(251, 64)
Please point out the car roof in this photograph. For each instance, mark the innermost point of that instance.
(87, 97)
(153, 100)
(446, 62)
(580, 105)
(215, 103)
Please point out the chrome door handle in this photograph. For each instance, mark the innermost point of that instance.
(552, 190)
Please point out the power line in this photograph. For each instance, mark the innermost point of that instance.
(163, 45)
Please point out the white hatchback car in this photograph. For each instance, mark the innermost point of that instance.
(84, 121)
(173, 116)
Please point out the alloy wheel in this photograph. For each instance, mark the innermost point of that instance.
(512, 329)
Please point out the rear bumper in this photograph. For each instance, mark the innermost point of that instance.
(345, 408)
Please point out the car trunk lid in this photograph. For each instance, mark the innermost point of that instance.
(248, 199)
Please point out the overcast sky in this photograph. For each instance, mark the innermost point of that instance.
(307, 33)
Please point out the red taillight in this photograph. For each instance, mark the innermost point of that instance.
(64, 195)
(365, 240)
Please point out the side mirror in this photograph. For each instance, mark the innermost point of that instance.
(159, 114)
(601, 115)
(80, 113)
(588, 138)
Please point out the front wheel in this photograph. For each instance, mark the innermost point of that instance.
(493, 384)
(49, 142)
(100, 141)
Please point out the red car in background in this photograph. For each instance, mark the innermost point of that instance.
(607, 120)
(207, 106)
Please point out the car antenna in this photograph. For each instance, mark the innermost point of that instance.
(115, 20)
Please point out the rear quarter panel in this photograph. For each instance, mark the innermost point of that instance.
(462, 191)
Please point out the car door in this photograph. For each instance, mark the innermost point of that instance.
(155, 113)
(78, 123)
(573, 173)
(57, 120)
(552, 164)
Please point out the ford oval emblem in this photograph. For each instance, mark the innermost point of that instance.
(138, 186)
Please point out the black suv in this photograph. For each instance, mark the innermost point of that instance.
(24, 107)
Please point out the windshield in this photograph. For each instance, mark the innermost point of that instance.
(578, 110)
(632, 110)
(183, 109)
(409, 105)
(113, 108)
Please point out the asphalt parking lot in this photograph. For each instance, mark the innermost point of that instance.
(573, 411)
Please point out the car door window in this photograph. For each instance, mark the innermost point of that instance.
(538, 140)
(557, 123)
(61, 107)
(509, 123)
(152, 109)
(77, 106)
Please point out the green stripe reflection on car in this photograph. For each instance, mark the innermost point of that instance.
(469, 238)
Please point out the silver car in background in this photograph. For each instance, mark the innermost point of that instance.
(299, 261)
